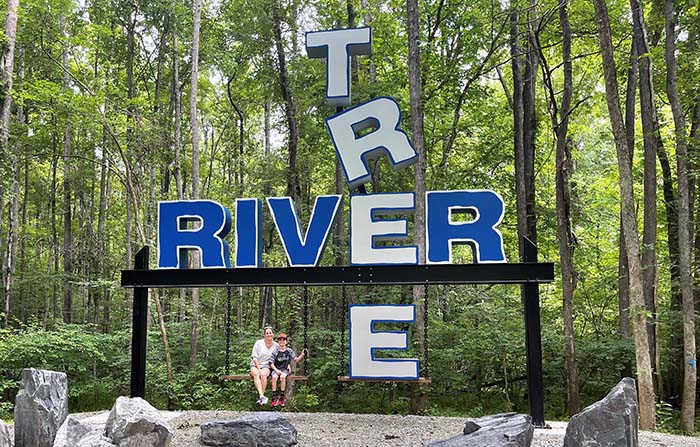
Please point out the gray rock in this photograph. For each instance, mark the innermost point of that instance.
(75, 433)
(77, 429)
(611, 422)
(5, 435)
(498, 430)
(41, 407)
(94, 439)
(470, 427)
(250, 430)
(133, 422)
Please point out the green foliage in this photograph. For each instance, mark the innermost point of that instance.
(97, 365)
(668, 418)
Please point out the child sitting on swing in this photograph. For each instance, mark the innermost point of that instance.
(281, 367)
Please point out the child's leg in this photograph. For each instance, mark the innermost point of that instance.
(283, 386)
(274, 383)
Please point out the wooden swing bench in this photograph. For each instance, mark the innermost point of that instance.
(247, 377)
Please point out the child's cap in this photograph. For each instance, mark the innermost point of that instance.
(282, 335)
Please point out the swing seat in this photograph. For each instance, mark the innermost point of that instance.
(353, 379)
(247, 377)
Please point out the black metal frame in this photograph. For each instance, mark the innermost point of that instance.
(529, 274)
(336, 276)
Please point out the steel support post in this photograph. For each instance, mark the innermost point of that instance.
(533, 337)
(139, 330)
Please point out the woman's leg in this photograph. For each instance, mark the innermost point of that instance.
(255, 374)
(264, 374)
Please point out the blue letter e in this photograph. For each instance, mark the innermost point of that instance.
(207, 237)
(441, 231)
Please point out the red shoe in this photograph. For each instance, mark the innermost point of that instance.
(275, 401)
(280, 402)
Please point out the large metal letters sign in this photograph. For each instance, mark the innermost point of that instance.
(359, 134)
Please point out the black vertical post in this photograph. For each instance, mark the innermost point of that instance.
(138, 330)
(533, 335)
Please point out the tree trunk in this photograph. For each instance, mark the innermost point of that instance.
(684, 241)
(293, 185)
(54, 229)
(131, 204)
(195, 171)
(22, 255)
(177, 142)
(673, 388)
(354, 67)
(368, 22)
(693, 154)
(194, 122)
(241, 140)
(518, 144)
(166, 347)
(652, 141)
(101, 218)
(623, 269)
(419, 393)
(178, 106)
(13, 230)
(67, 218)
(106, 315)
(7, 61)
(530, 122)
(647, 399)
(564, 168)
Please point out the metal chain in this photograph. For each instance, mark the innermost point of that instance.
(342, 331)
(426, 369)
(228, 329)
(306, 327)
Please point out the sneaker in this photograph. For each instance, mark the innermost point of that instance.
(263, 400)
(281, 401)
(257, 402)
(275, 401)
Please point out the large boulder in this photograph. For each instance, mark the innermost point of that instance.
(250, 430)
(133, 422)
(611, 422)
(498, 430)
(75, 433)
(5, 435)
(41, 407)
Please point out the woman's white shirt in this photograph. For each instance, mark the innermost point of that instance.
(262, 353)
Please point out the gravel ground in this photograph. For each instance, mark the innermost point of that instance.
(373, 430)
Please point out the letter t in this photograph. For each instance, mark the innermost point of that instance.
(337, 46)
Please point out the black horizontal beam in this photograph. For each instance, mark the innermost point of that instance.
(350, 275)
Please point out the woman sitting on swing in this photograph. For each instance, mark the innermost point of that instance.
(263, 352)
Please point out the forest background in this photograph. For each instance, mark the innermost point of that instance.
(109, 106)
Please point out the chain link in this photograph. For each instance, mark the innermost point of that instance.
(306, 327)
(426, 369)
(342, 331)
(228, 329)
